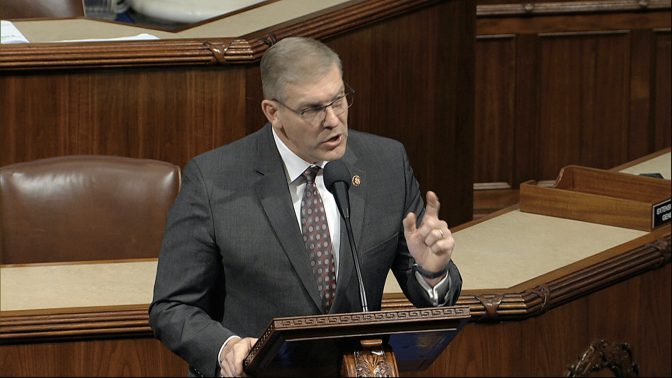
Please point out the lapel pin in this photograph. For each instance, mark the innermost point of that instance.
(356, 181)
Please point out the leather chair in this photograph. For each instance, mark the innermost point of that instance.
(26, 9)
(83, 208)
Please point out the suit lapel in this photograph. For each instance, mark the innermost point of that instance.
(277, 204)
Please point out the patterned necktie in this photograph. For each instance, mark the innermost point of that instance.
(317, 239)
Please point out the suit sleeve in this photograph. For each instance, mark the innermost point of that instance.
(183, 314)
(403, 264)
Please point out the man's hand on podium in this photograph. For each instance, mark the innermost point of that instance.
(232, 356)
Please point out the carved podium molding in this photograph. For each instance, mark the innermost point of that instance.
(373, 359)
(376, 343)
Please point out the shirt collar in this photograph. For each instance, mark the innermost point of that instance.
(294, 165)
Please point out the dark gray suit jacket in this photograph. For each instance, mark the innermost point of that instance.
(233, 258)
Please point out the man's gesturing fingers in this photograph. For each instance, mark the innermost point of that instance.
(433, 205)
(409, 224)
(430, 219)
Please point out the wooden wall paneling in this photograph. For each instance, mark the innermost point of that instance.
(495, 72)
(583, 108)
(663, 81)
(454, 138)
(485, 349)
(653, 323)
(641, 318)
(560, 100)
(168, 114)
(617, 110)
(120, 357)
(605, 123)
(254, 118)
(559, 335)
(413, 86)
(16, 141)
(642, 60)
(526, 121)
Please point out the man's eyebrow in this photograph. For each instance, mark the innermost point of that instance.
(310, 105)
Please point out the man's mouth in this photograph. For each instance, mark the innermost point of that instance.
(334, 141)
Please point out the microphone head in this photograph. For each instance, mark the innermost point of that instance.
(336, 171)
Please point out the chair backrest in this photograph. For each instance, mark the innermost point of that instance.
(83, 208)
(22, 9)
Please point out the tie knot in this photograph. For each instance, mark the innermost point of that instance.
(310, 173)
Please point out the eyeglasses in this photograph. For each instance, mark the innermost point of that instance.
(316, 114)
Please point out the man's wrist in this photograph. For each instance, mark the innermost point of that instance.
(428, 274)
(436, 289)
(219, 355)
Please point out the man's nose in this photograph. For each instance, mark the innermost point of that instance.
(330, 117)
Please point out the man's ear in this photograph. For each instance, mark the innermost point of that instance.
(270, 110)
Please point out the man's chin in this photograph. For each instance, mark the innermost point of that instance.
(335, 153)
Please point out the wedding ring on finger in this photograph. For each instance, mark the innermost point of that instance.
(442, 235)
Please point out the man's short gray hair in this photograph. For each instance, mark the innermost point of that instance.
(295, 60)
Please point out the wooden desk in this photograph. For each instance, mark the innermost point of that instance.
(81, 319)
(542, 289)
(233, 25)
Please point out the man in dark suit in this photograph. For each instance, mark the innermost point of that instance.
(254, 234)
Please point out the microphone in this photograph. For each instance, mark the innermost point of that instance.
(337, 180)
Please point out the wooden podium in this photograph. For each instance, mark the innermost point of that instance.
(377, 343)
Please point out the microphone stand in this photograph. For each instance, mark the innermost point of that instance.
(336, 179)
(355, 257)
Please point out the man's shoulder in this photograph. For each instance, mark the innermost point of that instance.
(367, 142)
(366, 136)
(235, 153)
